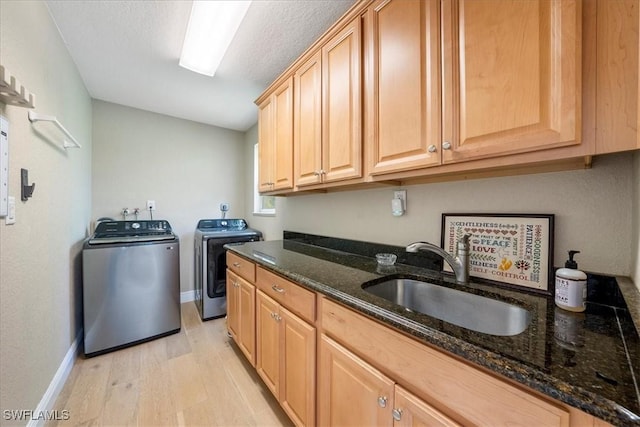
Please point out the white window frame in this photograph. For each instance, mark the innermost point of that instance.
(257, 198)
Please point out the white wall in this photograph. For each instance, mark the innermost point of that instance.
(592, 209)
(635, 235)
(188, 168)
(40, 275)
(270, 226)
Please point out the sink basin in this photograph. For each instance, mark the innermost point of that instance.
(470, 311)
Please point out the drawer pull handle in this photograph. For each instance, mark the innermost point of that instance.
(236, 264)
(277, 289)
(382, 401)
(397, 414)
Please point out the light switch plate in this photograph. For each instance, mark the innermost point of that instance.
(11, 214)
(4, 166)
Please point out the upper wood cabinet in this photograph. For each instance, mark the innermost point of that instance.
(275, 134)
(404, 89)
(403, 84)
(462, 80)
(618, 114)
(342, 103)
(307, 83)
(511, 76)
(328, 111)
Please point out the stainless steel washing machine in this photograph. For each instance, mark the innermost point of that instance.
(210, 261)
(131, 284)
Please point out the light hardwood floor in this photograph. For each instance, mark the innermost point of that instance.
(197, 377)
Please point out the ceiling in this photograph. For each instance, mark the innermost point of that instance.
(127, 53)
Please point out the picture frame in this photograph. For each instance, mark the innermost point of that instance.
(511, 249)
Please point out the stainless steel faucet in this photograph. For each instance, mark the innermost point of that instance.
(459, 263)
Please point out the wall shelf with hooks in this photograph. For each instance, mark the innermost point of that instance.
(12, 92)
(36, 117)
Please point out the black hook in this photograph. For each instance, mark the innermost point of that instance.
(27, 190)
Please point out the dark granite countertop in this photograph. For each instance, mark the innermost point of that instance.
(588, 360)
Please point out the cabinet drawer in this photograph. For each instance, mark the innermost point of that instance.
(453, 387)
(293, 297)
(242, 267)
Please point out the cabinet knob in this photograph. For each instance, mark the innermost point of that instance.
(446, 145)
(432, 148)
(382, 401)
(397, 414)
(316, 173)
(236, 264)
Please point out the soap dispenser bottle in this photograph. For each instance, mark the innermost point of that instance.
(571, 286)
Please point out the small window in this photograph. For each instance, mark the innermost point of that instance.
(262, 205)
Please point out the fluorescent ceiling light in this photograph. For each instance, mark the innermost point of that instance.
(212, 26)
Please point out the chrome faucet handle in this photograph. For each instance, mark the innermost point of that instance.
(464, 241)
(462, 256)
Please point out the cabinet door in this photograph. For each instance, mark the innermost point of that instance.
(351, 392)
(511, 76)
(410, 411)
(342, 110)
(617, 73)
(403, 37)
(268, 342)
(298, 382)
(266, 147)
(246, 323)
(283, 146)
(308, 122)
(232, 305)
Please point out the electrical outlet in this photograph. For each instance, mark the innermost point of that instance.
(151, 205)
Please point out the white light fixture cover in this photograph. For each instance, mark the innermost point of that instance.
(212, 26)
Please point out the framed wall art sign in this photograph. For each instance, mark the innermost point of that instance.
(514, 249)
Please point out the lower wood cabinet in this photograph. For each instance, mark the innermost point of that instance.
(366, 369)
(241, 314)
(286, 358)
(409, 410)
(368, 374)
(272, 322)
(352, 392)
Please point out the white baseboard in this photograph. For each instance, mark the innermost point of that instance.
(187, 296)
(58, 381)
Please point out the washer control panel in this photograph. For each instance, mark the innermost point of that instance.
(132, 228)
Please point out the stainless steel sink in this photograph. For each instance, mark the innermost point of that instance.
(470, 311)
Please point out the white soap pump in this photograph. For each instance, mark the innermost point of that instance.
(571, 286)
